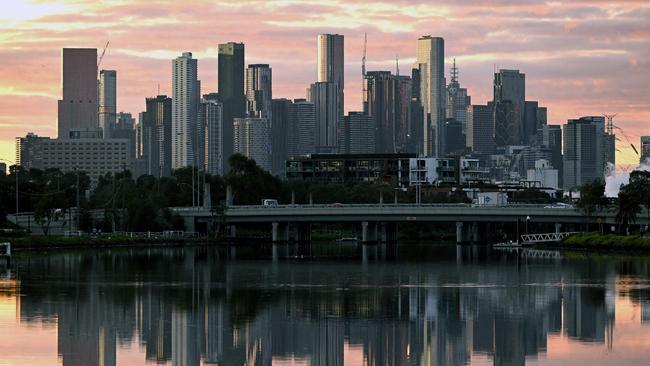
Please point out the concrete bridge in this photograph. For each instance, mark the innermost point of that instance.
(379, 221)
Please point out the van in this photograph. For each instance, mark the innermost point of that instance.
(268, 202)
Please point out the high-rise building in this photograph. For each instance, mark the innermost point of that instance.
(301, 126)
(26, 149)
(534, 119)
(457, 100)
(358, 134)
(416, 133)
(185, 103)
(154, 136)
(584, 151)
(107, 101)
(431, 61)
(211, 120)
(509, 107)
(231, 91)
(645, 149)
(125, 129)
(455, 138)
(550, 137)
(259, 91)
(251, 136)
(331, 66)
(480, 129)
(325, 98)
(78, 108)
(403, 121)
(507, 126)
(279, 134)
(379, 103)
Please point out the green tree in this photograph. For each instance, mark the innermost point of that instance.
(531, 195)
(592, 197)
(628, 206)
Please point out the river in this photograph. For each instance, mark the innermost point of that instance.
(335, 304)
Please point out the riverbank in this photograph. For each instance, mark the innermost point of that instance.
(35, 243)
(609, 242)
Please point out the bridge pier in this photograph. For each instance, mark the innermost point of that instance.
(280, 232)
(460, 232)
(231, 231)
(190, 223)
(475, 235)
(369, 231)
(558, 228)
(388, 232)
(303, 232)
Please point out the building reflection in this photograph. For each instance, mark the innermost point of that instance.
(191, 306)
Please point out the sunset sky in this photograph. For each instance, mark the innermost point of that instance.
(580, 57)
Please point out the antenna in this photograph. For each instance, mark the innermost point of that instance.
(397, 65)
(454, 73)
(609, 126)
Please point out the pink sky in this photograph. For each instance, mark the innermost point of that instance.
(580, 57)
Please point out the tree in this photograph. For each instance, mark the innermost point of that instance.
(531, 195)
(628, 206)
(592, 197)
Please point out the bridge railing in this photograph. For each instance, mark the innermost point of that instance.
(387, 205)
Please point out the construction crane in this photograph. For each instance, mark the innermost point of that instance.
(99, 62)
(363, 59)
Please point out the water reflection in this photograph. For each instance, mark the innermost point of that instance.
(379, 305)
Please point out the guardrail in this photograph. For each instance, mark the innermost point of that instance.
(378, 205)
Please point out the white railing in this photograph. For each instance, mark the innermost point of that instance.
(546, 237)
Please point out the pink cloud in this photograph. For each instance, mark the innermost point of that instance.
(585, 57)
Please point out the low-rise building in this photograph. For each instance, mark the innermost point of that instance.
(85, 151)
(348, 168)
(452, 170)
(544, 175)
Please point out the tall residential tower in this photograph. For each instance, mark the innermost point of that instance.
(185, 104)
(431, 62)
(331, 52)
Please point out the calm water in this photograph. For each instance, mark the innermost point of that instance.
(317, 305)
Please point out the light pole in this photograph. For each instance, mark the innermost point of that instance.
(527, 220)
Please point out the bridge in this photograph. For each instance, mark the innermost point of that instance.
(380, 221)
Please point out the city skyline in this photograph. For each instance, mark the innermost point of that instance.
(589, 62)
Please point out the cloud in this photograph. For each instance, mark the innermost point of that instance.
(580, 57)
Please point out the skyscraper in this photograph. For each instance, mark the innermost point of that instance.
(211, 115)
(509, 87)
(358, 134)
(78, 107)
(251, 136)
(379, 103)
(331, 66)
(403, 121)
(584, 151)
(431, 61)
(480, 129)
(550, 137)
(231, 91)
(301, 125)
(325, 98)
(259, 84)
(279, 134)
(185, 104)
(457, 99)
(645, 149)
(153, 136)
(416, 137)
(107, 101)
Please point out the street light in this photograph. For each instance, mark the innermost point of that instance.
(527, 220)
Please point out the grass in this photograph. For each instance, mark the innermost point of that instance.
(608, 242)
